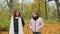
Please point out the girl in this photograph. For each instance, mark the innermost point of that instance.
(17, 23)
(36, 23)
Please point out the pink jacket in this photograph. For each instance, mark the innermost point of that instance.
(37, 25)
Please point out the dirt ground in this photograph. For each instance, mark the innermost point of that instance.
(49, 28)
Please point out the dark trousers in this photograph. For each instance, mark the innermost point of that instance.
(36, 32)
(15, 32)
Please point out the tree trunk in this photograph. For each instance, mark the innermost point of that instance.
(57, 4)
(39, 5)
(46, 10)
(10, 5)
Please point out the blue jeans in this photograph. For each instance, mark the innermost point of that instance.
(36, 32)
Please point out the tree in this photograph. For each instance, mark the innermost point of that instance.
(57, 3)
(10, 4)
(46, 10)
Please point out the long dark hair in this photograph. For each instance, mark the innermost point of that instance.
(15, 12)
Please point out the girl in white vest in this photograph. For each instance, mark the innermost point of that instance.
(16, 24)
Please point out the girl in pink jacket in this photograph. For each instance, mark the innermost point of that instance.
(36, 23)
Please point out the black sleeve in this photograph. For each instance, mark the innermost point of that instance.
(23, 23)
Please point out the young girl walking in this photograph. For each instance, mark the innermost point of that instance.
(17, 23)
(36, 23)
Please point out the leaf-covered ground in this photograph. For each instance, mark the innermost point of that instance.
(49, 28)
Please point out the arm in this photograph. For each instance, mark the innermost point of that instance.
(41, 24)
(23, 23)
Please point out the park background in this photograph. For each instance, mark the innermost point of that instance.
(49, 10)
